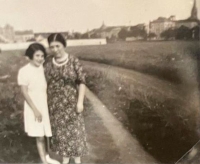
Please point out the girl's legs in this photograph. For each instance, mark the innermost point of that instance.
(77, 159)
(48, 144)
(41, 148)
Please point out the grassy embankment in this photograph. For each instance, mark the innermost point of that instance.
(166, 127)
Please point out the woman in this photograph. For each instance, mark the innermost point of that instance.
(65, 90)
(33, 86)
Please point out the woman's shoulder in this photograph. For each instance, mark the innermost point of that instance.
(73, 58)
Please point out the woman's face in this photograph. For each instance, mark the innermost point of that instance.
(38, 58)
(57, 48)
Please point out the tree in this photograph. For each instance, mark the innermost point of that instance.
(152, 35)
(183, 32)
(168, 34)
(94, 35)
(137, 32)
(113, 38)
(77, 35)
(195, 32)
(123, 33)
(85, 36)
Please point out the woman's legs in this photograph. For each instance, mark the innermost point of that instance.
(77, 160)
(66, 160)
(41, 148)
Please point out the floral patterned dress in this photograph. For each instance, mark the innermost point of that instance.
(68, 128)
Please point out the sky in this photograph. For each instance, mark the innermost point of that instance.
(83, 15)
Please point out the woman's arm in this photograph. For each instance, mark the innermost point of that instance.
(38, 116)
(81, 91)
(81, 84)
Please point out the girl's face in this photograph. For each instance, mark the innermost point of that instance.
(38, 58)
(57, 48)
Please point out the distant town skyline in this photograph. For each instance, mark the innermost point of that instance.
(83, 15)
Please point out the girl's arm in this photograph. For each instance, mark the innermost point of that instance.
(81, 91)
(38, 116)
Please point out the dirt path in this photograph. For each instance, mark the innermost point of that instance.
(122, 147)
(137, 79)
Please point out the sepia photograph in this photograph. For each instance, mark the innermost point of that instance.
(100, 81)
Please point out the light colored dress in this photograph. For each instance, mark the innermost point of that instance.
(34, 78)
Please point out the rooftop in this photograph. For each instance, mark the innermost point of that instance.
(27, 32)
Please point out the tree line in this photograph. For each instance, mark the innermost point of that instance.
(182, 33)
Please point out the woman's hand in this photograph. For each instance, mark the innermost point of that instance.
(79, 107)
(38, 116)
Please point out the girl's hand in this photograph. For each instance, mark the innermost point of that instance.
(79, 107)
(38, 116)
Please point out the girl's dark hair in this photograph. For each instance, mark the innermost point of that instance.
(33, 48)
(57, 37)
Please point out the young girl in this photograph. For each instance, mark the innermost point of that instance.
(33, 86)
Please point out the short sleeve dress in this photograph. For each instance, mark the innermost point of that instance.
(33, 77)
(68, 128)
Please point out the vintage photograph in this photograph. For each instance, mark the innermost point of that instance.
(100, 81)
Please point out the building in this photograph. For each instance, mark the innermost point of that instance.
(136, 32)
(162, 24)
(24, 36)
(39, 36)
(3, 39)
(7, 33)
(192, 21)
(106, 31)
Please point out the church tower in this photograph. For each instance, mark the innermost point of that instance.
(103, 26)
(194, 11)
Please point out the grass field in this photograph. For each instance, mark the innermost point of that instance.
(166, 60)
(175, 62)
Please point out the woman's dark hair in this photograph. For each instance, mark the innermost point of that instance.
(57, 37)
(33, 48)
